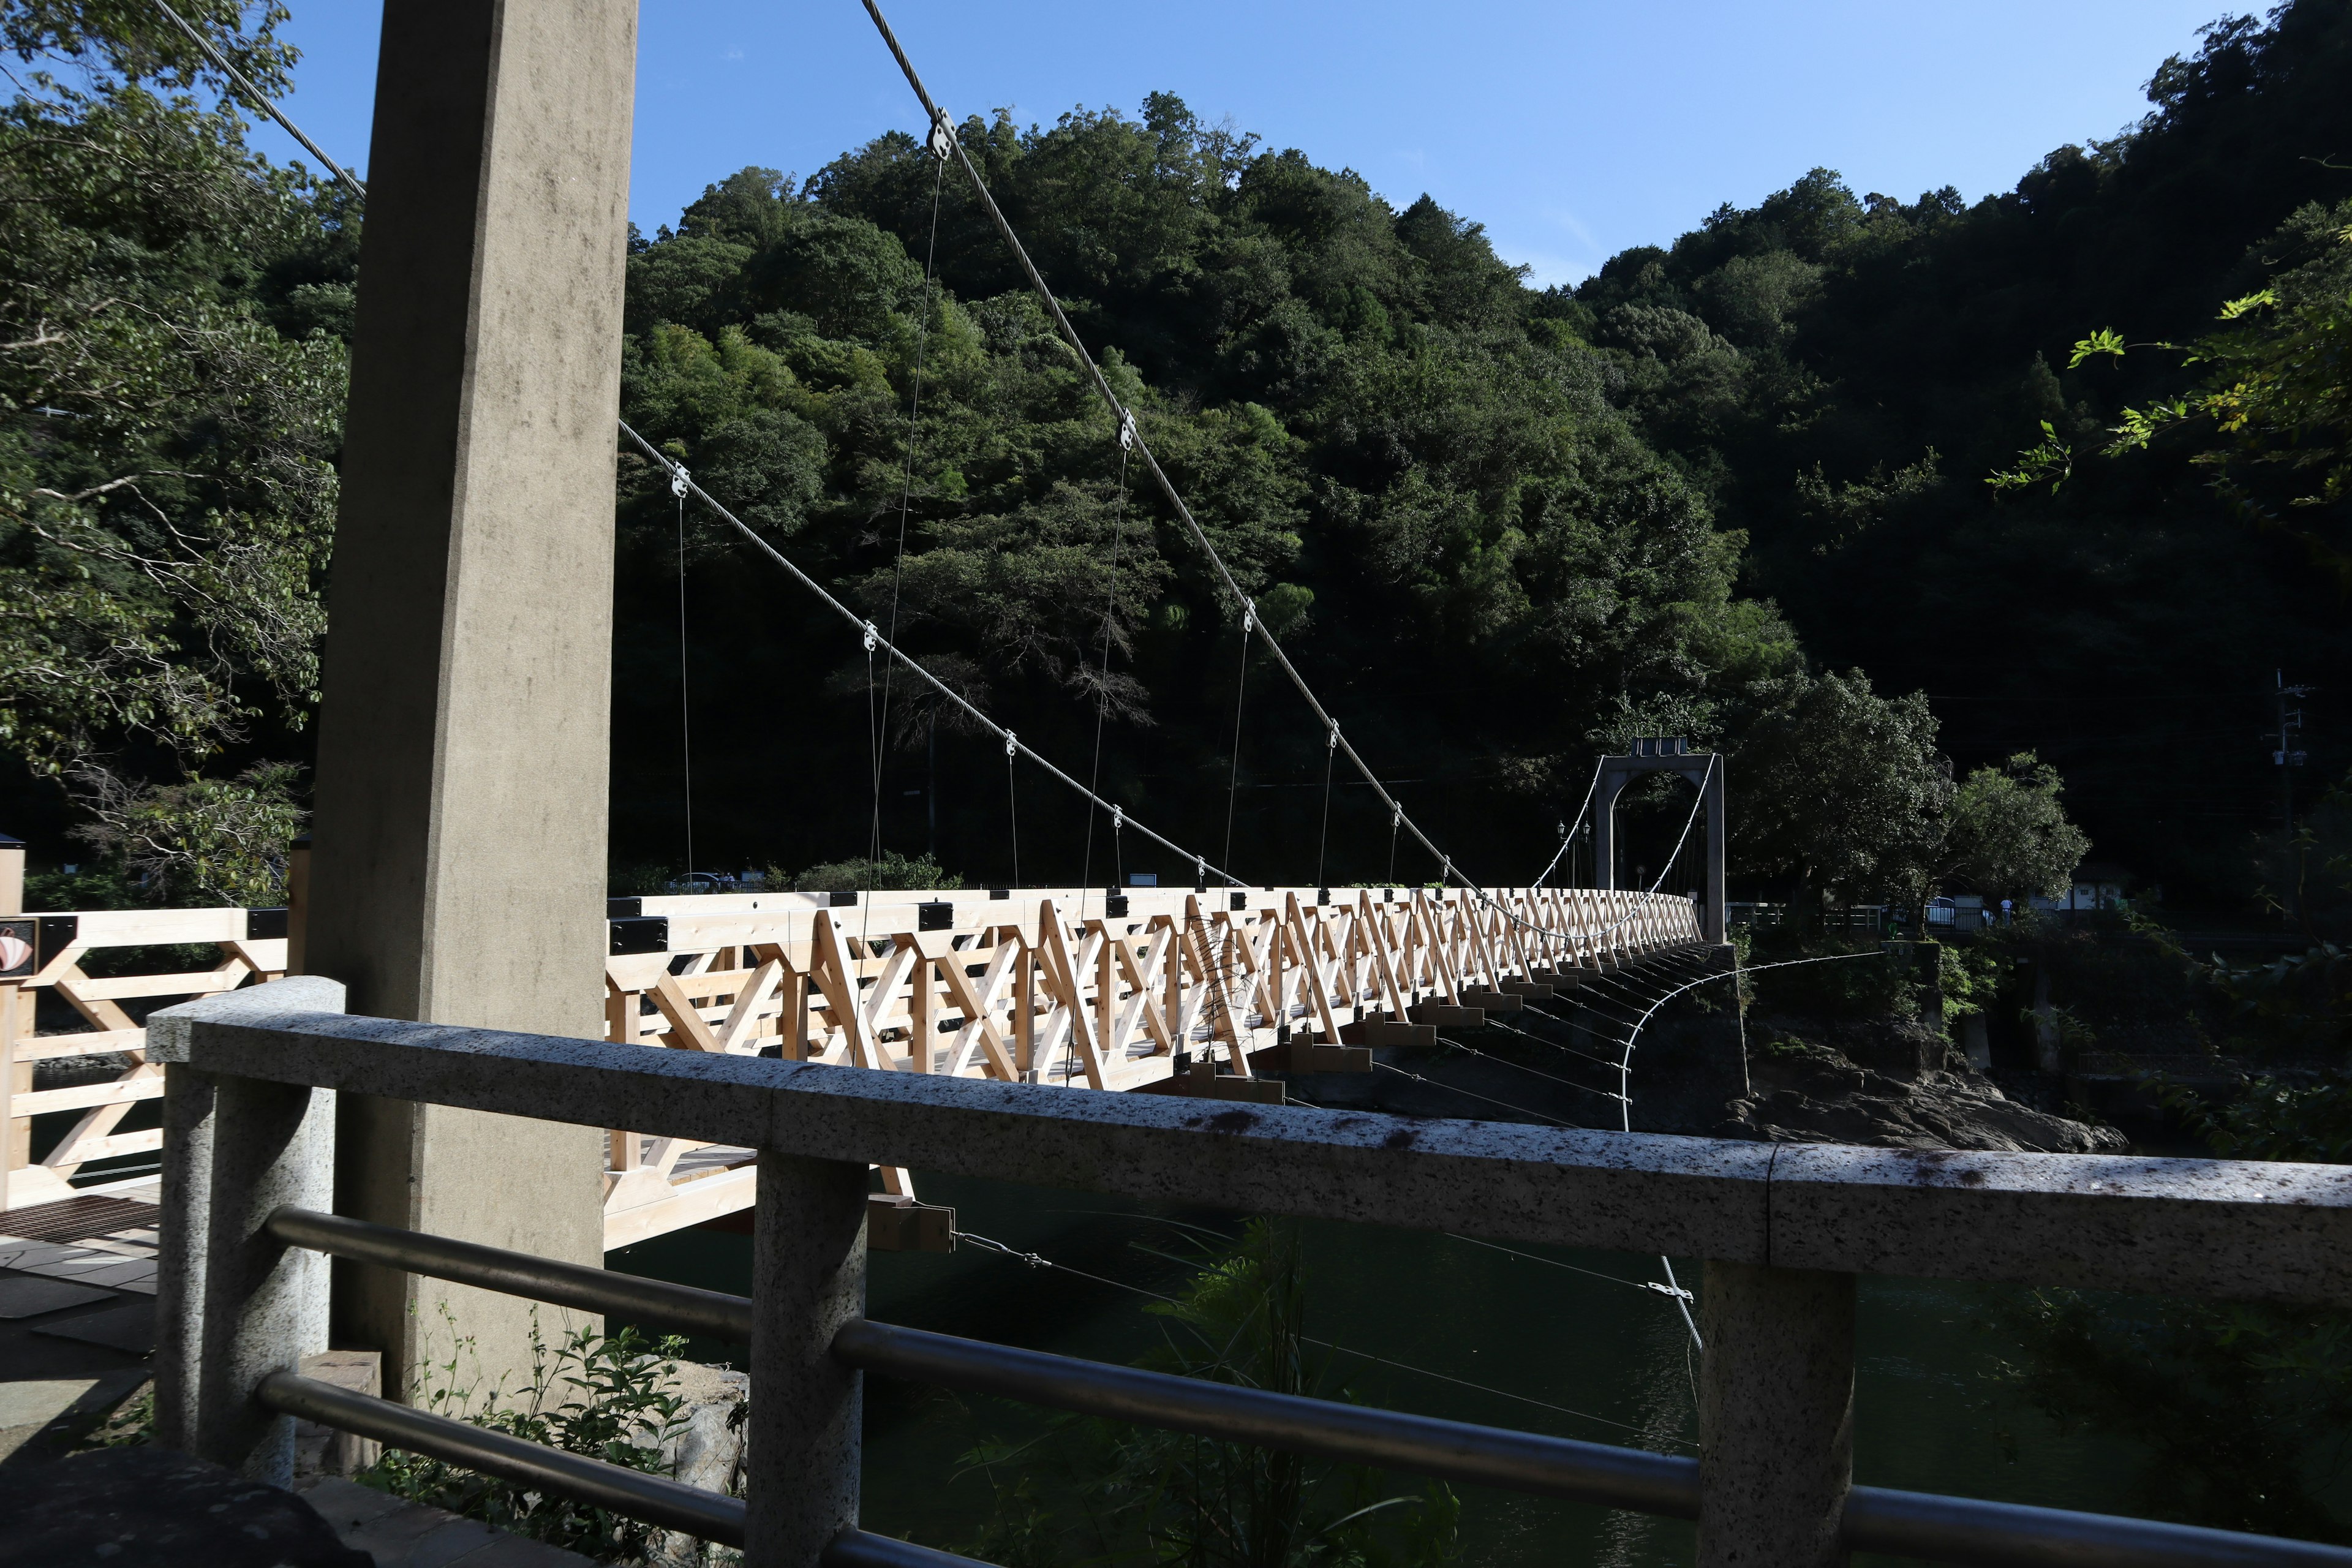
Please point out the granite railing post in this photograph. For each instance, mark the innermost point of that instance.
(1775, 1415)
(232, 1306)
(808, 1278)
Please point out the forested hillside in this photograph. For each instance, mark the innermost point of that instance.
(1734, 489)
(1839, 374)
(1503, 526)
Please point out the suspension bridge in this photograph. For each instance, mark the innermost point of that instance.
(1203, 993)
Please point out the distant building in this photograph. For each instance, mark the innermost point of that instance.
(2097, 886)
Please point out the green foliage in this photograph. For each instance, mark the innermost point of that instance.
(1409, 461)
(1969, 977)
(2251, 1404)
(1159, 1498)
(201, 841)
(2255, 1400)
(599, 1395)
(2007, 835)
(1874, 984)
(2272, 418)
(1843, 790)
(893, 872)
(173, 373)
(1797, 360)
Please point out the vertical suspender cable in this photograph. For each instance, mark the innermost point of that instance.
(944, 144)
(1012, 803)
(1241, 687)
(943, 127)
(1102, 692)
(906, 497)
(1323, 846)
(685, 704)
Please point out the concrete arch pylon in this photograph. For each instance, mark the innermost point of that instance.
(1703, 771)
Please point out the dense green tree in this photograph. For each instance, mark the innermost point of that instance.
(2006, 835)
(1841, 791)
(1410, 462)
(171, 378)
(1833, 372)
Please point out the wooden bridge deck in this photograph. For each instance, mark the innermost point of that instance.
(1152, 990)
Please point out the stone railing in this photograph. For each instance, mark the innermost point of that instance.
(1784, 1229)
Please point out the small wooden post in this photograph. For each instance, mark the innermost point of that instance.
(793, 992)
(1105, 989)
(921, 1031)
(1024, 1009)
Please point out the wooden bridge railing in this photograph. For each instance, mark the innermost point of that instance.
(251, 947)
(1164, 991)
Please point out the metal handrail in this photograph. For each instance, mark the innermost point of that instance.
(1353, 1434)
(591, 1290)
(657, 1499)
(1965, 1531)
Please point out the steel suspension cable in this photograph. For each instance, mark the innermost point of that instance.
(941, 127)
(1568, 836)
(866, 629)
(261, 99)
(937, 118)
(680, 475)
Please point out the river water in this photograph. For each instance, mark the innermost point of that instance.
(1577, 1352)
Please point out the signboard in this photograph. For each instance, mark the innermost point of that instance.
(18, 938)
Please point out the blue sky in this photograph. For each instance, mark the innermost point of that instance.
(1571, 129)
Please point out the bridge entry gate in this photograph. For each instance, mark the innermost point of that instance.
(1704, 770)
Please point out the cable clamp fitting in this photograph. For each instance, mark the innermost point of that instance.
(1667, 1290)
(1249, 617)
(679, 480)
(872, 637)
(1117, 819)
(1334, 742)
(1012, 745)
(1397, 820)
(1126, 429)
(942, 140)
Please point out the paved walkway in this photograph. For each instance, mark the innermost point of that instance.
(76, 1328)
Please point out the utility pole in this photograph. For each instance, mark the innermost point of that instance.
(2288, 755)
